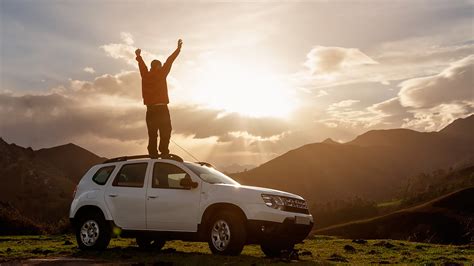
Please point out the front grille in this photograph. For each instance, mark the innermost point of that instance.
(295, 205)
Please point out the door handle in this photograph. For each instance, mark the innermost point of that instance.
(152, 197)
(112, 195)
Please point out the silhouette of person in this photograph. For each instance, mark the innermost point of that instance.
(155, 97)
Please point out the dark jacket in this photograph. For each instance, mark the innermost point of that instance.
(154, 87)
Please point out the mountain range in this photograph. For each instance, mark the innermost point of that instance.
(372, 166)
(38, 184)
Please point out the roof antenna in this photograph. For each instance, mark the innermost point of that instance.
(184, 150)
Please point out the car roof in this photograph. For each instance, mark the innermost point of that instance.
(172, 157)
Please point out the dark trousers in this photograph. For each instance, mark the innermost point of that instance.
(158, 119)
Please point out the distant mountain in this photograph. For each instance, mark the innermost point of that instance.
(70, 159)
(372, 166)
(236, 168)
(445, 220)
(39, 184)
(462, 129)
(330, 141)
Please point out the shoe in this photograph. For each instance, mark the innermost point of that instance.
(154, 156)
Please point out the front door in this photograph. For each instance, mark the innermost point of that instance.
(125, 197)
(169, 206)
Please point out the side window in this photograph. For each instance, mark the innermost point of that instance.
(103, 174)
(167, 175)
(131, 175)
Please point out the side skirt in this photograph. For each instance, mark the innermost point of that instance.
(166, 235)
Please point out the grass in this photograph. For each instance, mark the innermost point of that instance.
(394, 203)
(316, 250)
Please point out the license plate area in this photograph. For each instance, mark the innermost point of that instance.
(302, 220)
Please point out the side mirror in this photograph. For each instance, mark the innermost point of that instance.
(188, 183)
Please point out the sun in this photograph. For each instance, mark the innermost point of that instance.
(249, 90)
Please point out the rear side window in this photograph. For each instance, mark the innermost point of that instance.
(131, 175)
(103, 174)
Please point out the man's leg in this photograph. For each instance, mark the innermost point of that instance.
(152, 126)
(165, 129)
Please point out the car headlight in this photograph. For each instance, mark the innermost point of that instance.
(273, 201)
(285, 203)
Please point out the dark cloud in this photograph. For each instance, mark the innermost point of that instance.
(56, 119)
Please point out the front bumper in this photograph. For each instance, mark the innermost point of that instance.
(288, 232)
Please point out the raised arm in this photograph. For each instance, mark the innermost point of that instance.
(141, 64)
(172, 57)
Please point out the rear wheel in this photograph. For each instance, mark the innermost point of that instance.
(227, 234)
(92, 232)
(275, 250)
(150, 243)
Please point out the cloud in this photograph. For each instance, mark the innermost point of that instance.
(127, 38)
(326, 60)
(453, 84)
(321, 93)
(342, 114)
(125, 50)
(389, 113)
(89, 70)
(438, 117)
(425, 103)
(437, 100)
(110, 108)
(344, 103)
(190, 120)
(394, 61)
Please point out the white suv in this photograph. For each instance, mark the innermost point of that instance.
(154, 200)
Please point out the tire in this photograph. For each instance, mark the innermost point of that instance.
(92, 232)
(150, 243)
(275, 250)
(226, 234)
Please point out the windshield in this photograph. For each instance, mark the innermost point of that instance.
(210, 175)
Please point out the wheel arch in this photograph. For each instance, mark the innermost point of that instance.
(87, 210)
(215, 208)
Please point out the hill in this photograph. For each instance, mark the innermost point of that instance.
(445, 220)
(39, 184)
(372, 166)
(70, 159)
(236, 168)
(11, 220)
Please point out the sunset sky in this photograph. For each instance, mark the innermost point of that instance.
(253, 80)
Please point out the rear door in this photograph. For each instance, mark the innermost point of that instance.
(125, 196)
(171, 207)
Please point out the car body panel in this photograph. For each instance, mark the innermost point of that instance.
(170, 209)
(177, 210)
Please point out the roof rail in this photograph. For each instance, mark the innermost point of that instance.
(131, 157)
(205, 164)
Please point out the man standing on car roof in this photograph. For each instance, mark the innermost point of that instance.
(155, 97)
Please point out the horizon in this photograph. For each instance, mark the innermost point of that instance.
(239, 167)
(254, 80)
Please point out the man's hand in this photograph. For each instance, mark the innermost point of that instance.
(180, 43)
(137, 52)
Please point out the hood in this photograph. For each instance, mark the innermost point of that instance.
(262, 190)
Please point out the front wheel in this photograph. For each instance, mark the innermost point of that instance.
(150, 243)
(92, 232)
(275, 250)
(227, 234)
